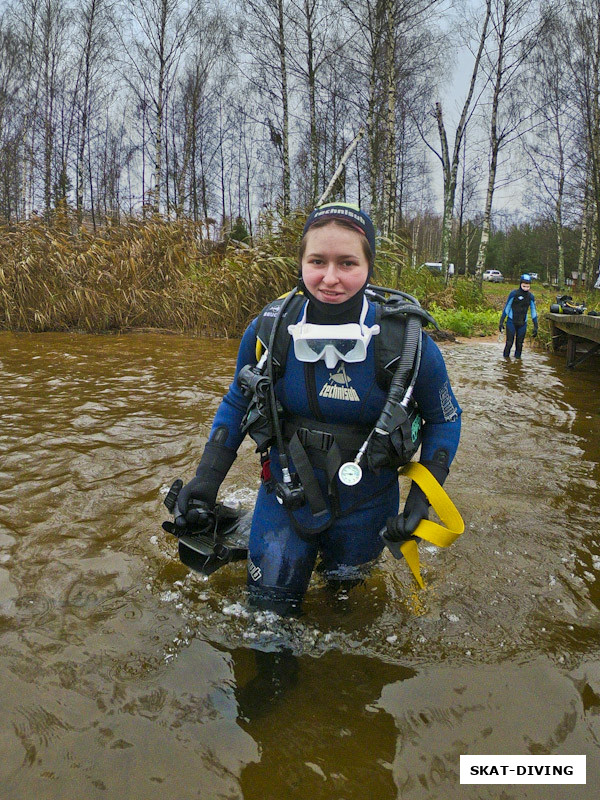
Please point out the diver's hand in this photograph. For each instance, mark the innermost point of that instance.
(535, 331)
(212, 469)
(501, 327)
(416, 508)
(194, 501)
(190, 509)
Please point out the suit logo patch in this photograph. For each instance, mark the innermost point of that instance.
(338, 386)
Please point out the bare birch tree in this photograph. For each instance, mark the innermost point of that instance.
(319, 43)
(265, 36)
(154, 41)
(581, 43)
(515, 27)
(11, 123)
(196, 94)
(553, 140)
(450, 163)
(92, 40)
(386, 31)
(50, 40)
(25, 21)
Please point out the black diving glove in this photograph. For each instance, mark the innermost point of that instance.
(416, 507)
(501, 327)
(535, 330)
(212, 469)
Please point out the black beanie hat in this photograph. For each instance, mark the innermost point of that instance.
(346, 211)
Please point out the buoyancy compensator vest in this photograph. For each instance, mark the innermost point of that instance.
(394, 439)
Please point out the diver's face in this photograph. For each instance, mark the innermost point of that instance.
(525, 287)
(334, 264)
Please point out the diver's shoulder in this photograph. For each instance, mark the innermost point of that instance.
(272, 308)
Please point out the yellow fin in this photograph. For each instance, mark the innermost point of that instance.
(440, 535)
(410, 551)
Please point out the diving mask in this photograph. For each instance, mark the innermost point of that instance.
(332, 343)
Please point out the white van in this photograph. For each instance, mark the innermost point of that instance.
(493, 275)
(436, 266)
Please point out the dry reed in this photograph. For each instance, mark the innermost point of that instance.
(142, 274)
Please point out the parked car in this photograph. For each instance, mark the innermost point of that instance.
(533, 276)
(493, 275)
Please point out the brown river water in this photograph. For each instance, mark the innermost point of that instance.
(123, 675)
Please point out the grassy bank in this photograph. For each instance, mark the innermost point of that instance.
(158, 274)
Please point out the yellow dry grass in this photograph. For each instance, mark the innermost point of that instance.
(141, 274)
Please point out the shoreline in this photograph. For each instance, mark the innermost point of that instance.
(440, 337)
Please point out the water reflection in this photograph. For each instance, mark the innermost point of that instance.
(281, 699)
(275, 675)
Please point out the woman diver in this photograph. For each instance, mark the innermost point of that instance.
(313, 389)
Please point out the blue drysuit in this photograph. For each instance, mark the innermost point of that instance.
(281, 561)
(515, 311)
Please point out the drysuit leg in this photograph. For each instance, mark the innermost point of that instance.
(353, 540)
(510, 337)
(280, 562)
(520, 338)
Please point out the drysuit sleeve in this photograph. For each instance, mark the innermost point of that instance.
(234, 404)
(507, 306)
(438, 405)
(533, 310)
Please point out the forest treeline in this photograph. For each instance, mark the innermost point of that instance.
(236, 114)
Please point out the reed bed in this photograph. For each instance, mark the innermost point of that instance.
(141, 274)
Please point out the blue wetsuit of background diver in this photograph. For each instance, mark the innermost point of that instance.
(281, 561)
(515, 311)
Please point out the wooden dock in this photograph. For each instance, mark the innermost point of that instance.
(574, 330)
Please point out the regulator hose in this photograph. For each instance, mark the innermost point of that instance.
(272, 399)
(412, 337)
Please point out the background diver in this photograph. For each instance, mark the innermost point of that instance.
(518, 303)
(324, 386)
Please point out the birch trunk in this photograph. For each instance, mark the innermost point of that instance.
(285, 110)
(487, 217)
(372, 145)
(450, 166)
(312, 103)
(560, 248)
(595, 132)
(583, 261)
(160, 100)
(83, 130)
(494, 147)
(32, 98)
(49, 89)
(389, 178)
(559, 206)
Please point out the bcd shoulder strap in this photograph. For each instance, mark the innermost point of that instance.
(388, 345)
(392, 317)
(264, 326)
